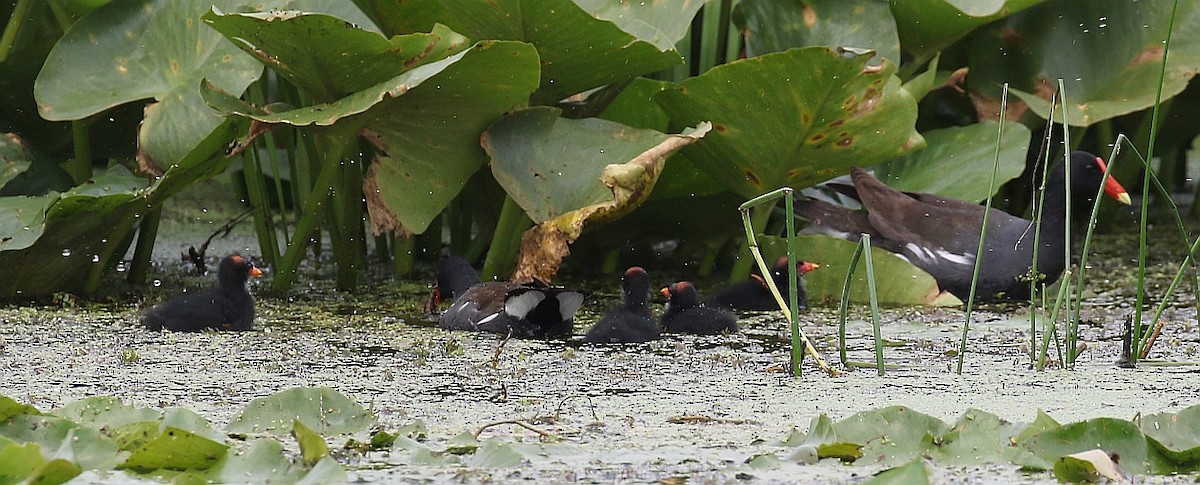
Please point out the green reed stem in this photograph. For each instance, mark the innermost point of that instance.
(866, 243)
(844, 307)
(759, 215)
(13, 28)
(306, 227)
(979, 250)
(799, 341)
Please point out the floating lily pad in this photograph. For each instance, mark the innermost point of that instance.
(320, 408)
(1111, 435)
(175, 449)
(892, 435)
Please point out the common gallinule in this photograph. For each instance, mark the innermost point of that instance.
(941, 235)
(534, 310)
(753, 294)
(685, 315)
(631, 321)
(227, 306)
(454, 277)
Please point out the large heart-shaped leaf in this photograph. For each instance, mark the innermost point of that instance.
(603, 172)
(1111, 68)
(794, 118)
(131, 50)
(578, 51)
(426, 133)
(778, 25)
(319, 54)
(928, 26)
(957, 162)
(1112, 435)
(659, 23)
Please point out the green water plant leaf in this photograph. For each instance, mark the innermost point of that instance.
(892, 435)
(1109, 434)
(10, 407)
(175, 449)
(1176, 436)
(1112, 68)
(425, 125)
(926, 27)
(24, 463)
(105, 412)
(606, 171)
(578, 51)
(323, 56)
(957, 162)
(794, 118)
(1087, 466)
(977, 437)
(897, 282)
(494, 453)
(778, 25)
(312, 446)
(98, 64)
(86, 447)
(913, 472)
(262, 462)
(319, 408)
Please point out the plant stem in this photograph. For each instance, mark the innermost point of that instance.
(288, 266)
(844, 307)
(13, 28)
(979, 250)
(506, 241)
(80, 166)
(115, 239)
(403, 254)
(144, 250)
(866, 243)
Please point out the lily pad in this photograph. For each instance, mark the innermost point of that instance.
(957, 162)
(1088, 466)
(1176, 436)
(320, 408)
(606, 171)
(262, 462)
(794, 118)
(913, 472)
(494, 453)
(105, 412)
(892, 435)
(1111, 435)
(10, 408)
(1111, 69)
(175, 449)
(87, 447)
(24, 463)
(778, 25)
(312, 446)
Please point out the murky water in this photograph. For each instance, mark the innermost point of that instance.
(614, 410)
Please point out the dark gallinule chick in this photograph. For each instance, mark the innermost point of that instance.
(631, 321)
(941, 235)
(228, 306)
(685, 315)
(754, 294)
(535, 310)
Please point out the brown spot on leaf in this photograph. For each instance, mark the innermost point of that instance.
(817, 137)
(845, 142)
(753, 178)
(1010, 36)
(989, 109)
(382, 218)
(1152, 54)
(810, 16)
(720, 128)
(838, 122)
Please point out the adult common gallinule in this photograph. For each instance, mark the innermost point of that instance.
(753, 294)
(685, 315)
(227, 306)
(631, 321)
(454, 277)
(536, 310)
(941, 235)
